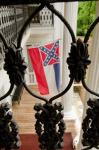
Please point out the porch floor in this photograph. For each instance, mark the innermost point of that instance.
(24, 114)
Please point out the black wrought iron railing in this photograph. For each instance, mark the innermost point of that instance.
(18, 2)
(50, 125)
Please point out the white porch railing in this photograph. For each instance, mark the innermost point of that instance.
(43, 18)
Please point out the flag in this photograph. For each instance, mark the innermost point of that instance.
(57, 75)
(39, 71)
(41, 57)
(50, 56)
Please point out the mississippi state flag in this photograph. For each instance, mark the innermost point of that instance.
(41, 57)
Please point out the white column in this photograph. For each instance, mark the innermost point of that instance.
(70, 13)
(93, 74)
(95, 56)
(58, 31)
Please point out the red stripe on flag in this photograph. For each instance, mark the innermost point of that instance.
(39, 70)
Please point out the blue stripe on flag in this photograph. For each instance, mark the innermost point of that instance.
(57, 75)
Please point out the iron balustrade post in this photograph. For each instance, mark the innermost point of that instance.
(49, 125)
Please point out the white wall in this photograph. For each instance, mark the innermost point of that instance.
(4, 85)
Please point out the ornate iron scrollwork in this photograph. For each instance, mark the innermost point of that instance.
(14, 65)
(50, 125)
(90, 125)
(78, 60)
(9, 138)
